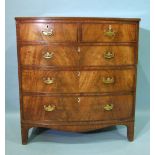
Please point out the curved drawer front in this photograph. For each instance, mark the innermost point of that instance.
(59, 56)
(107, 80)
(49, 81)
(107, 55)
(50, 32)
(68, 56)
(78, 82)
(109, 32)
(105, 108)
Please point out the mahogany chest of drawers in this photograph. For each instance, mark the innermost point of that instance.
(77, 74)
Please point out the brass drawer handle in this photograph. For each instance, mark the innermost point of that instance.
(48, 55)
(48, 33)
(48, 80)
(108, 55)
(109, 32)
(49, 108)
(108, 80)
(108, 107)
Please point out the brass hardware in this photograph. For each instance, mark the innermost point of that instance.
(79, 49)
(108, 80)
(108, 107)
(48, 80)
(49, 108)
(109, 32)
(108, 55)
(48, 55)
(78, 99)
(48, 32)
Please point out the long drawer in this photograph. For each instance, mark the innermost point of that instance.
(37, 108)
(78, 81)
(73, 56)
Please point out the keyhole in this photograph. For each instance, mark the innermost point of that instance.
(78, 99)
(110, 27)
(47, 26)
(78, 73)
(79, 49)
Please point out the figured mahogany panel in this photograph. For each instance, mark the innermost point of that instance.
(61, 82)
(61, 32)
(52, 55)
(78, 82)
(107, 80)
(78, 109)
(120, 32)
(107, 55)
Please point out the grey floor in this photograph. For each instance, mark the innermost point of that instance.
(110, 141)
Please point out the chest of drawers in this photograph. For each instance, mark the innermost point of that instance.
(77, 74)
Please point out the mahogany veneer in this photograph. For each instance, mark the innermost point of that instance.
(77, 74)
(70, 82)
(94, 32)
(70, 109)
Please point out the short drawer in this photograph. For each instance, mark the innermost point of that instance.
(53, 55)
(106, 108)
(107, 55)
(109, 32)
(50, 32)
(78, 81)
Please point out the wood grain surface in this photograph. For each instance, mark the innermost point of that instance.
(96, 55)
(95, 33)
(61, 32)
(77, 108)
(61, 56)
(77, 81)
(67, 63)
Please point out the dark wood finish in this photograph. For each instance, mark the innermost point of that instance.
(130, 131)
(24, 134)
(79, 68)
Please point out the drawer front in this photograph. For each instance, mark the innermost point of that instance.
(107, 80)
(107, 55)
(77, 109)
(51, 32)
(59, 56)
(73, 82)
(109, 32)
(49, 81)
